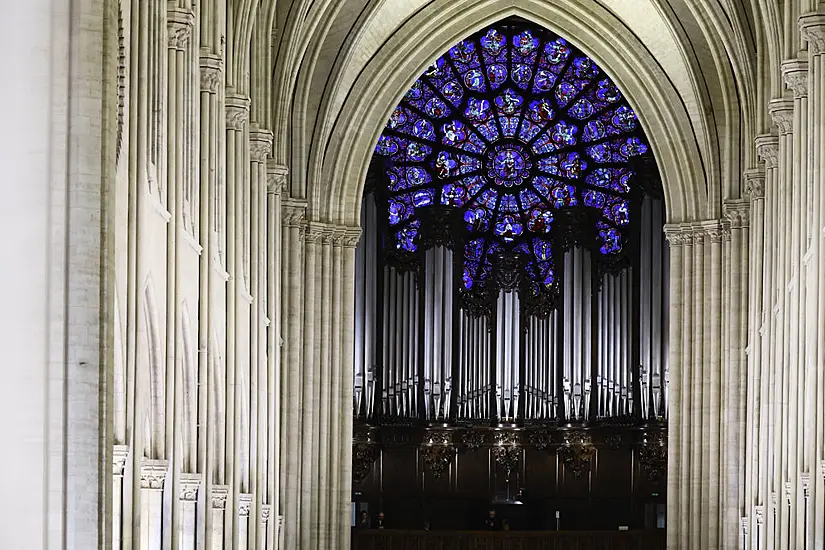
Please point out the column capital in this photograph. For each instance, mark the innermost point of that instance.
(179, 25)
(244, 504)
(767, 148)
(237, 111)
(119, 455)
(822, 469)
(189, 485)
(211, 72)
(743, 525)
(153, 473)
(781, 111)
(795, 74)
(280, 524)
(218, 496)
(788, 491)
(737, 212)
(266, 512)
(260, 145)
(679, 234)
(276, 177)
(759, 514)
(805, 483)
(294, 213)
(812, 26)
(755, 183)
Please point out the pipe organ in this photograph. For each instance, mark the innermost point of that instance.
(598, 356)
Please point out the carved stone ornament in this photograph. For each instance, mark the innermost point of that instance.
(759, 514)
(211, 73)
(743, 526)
(679, 234)
(219, 494)
(153, 473)
(244, 504)
(506, 452)
(755, 184)
(179, 24)
(119, 455)
(472, 440)
(577, 452)
(276, 177)
(653, 455)
(541, 439)
(351, 237)
(788, 492)
(260, 145)
(189, 484)
(805, 483)
(237, 112)
(293, 215)
(266, 512)
(363, 456)
(767, 148)
(737, 213)
(781, 111)
(812, 26)
(795, 74)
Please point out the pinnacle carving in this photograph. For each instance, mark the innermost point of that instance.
(179, 28)
(767, 148)
(260, 145)
(755, 184)
(812, 26)
(211, 73)
(237, 112)
(781, 111)
(795, 74)
(276, 177)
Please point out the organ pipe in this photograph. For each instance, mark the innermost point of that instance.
(601, 354)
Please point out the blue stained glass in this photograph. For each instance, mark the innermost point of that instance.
(510, 125)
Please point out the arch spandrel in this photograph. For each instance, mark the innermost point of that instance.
(354, 131)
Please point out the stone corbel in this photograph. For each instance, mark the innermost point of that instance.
(189, 485)
(276, 177)
(812, 26)
(438, 451)
(179, 24)
(219, 496)
(795, 75)
(653, 455)
(755, 184)
(767, 148)
(237, 112)
(211, 73)
(506, 452)
(781, 111)
(153, 473)
(577, 452)
(119, 455)
(260, 145)
(244, 504)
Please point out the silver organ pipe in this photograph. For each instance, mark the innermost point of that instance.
(438, 327)
(366, 272)
(507, 356)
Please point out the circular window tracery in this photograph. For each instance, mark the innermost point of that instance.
(512, 126)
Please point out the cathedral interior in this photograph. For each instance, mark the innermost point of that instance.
(413, 274)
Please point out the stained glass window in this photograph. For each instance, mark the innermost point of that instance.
(513, 126)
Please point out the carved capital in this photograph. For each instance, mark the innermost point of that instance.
(737, 213)
(805, 484)
(767, 148)
(755, 184)
(260, 145)
(153, 473)
(237, 112)
(795, 74)
(743, 526)
(788, 491)
(812, 26)
(266, 512)
(211, 73)
(293, 215)
(351, 237)
(244, 504)
(179, 25)
(189, 484)
(679, 234)
(759, 514)
(577, 452)
(276, 177)
(218, 497)
(781, 111)
(119, 455)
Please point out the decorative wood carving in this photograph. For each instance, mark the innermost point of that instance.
(576, 452)
(653, 455)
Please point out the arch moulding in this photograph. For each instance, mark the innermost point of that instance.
(338, 165)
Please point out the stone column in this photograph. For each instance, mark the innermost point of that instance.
(292, 281)
(119, 455)
(152, 478)
(812, 26)
(187, 525)
(265, 538)
(217, 509)
(244, 507)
